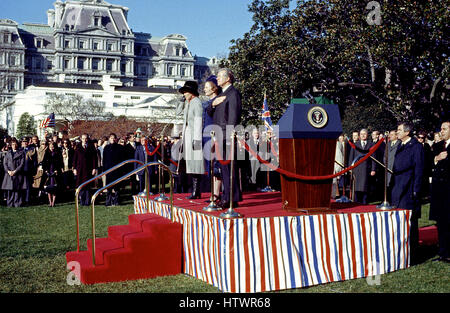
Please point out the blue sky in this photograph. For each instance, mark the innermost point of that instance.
(209, 25)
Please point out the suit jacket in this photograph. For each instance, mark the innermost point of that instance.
(407, 178)
(14, 162)
(392, 149)
(440, 188)
(139, 155)
(361, 172)
(229, 111)
(84, 161)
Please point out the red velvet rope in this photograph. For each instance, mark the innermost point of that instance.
(171, 161)
(303, 177)
(219, 155)
(151, 153)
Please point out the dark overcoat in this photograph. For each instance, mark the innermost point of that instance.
(139, 155)
(113, 154)
(14, 161)
(84, 161)
(440, 185)
(407, 178)
(361, 172)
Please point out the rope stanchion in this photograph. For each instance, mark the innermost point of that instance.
(303, 177)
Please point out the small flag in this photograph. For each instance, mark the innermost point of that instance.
(49, 121)
(265, 115)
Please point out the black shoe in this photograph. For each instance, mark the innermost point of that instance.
(193, 196)
(226, 205)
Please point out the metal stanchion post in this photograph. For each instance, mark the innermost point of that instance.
(385, 205)
(162, 196)
(212, 205)
(268, 188)
(230, 213)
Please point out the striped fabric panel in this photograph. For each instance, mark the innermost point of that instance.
(274, 253)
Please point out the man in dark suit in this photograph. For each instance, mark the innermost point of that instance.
(407, 180)
(113, 154)
(365, 169)
(226, 112)
(85, 165)
(440, 192)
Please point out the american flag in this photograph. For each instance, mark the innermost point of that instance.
(49, 121)
(265, 115)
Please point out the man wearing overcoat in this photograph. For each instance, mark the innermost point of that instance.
(407, 179)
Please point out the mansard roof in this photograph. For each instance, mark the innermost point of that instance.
(28, 32)
(79, 15)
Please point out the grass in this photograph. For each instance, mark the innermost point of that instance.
(34, 240)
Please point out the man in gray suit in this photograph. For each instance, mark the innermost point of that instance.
(392, 148)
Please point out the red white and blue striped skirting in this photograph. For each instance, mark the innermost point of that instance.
(275, 253)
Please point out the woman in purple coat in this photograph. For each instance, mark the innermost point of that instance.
(14, 182)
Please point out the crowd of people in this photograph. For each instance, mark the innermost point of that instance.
(417, 162)
(418, 171)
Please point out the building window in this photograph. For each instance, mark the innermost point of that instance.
(81, 45)
(38, 64)
(38, 43)
(184, 71)
(135, 98)
(66, 64)
(170, 70)
(95, 45)
(12, 60)
(143, 70)
(67, 44)
(6, 38)
(124, 48)
(109, 65)
(123, 67)
(97, 96)
(110, 47)
(97, 21)
(95, 63)
(49, 64)
(80, 64)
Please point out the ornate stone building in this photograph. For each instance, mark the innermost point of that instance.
(83, 42)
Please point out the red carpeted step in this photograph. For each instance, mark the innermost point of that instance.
(136, 220)
(150, 246)
(103, 246)
(428, 235)
(118, 232)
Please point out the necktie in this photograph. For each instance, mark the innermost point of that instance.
(363, 144)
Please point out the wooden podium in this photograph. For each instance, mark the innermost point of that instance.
(307, 146)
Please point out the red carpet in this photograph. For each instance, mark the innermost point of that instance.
(148, 247)
(257, 204)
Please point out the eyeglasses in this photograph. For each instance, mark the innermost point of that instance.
(421, 137)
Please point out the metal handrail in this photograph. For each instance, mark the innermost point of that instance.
(145, 166)
(90, 181)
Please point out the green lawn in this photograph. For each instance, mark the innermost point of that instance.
(34, 240)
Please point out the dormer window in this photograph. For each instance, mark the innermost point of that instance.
(97, 19)
(39, 43)
(6, 37)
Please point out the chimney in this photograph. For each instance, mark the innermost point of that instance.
(59, 8)
(51, 18)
